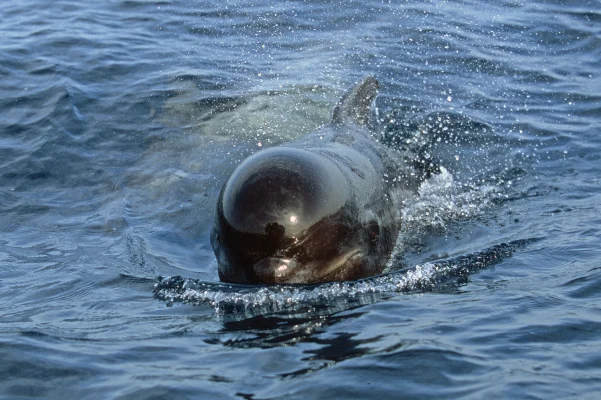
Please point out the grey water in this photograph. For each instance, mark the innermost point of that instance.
(120, 121)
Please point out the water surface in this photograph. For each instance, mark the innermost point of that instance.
(120, 121)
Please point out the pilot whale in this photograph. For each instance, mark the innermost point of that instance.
(323, 208)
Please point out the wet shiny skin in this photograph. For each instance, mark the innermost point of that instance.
(312, 211)
(288, 215)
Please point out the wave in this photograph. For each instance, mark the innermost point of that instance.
(431, 276)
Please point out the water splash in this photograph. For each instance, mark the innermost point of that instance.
(443, 199)
(430, 276)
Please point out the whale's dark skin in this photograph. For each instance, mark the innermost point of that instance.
(323, 208)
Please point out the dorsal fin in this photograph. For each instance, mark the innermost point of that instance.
(356, 103)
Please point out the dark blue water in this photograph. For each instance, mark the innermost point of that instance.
(120, 120)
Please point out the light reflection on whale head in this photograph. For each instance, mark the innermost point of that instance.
(287, 215)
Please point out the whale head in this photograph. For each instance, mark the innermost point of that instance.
(287, 215)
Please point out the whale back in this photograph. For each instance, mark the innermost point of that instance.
(355, 105)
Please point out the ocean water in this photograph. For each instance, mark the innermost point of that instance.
(120, 121)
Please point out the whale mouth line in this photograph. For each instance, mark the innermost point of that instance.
(289, 270)
(339, 262)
